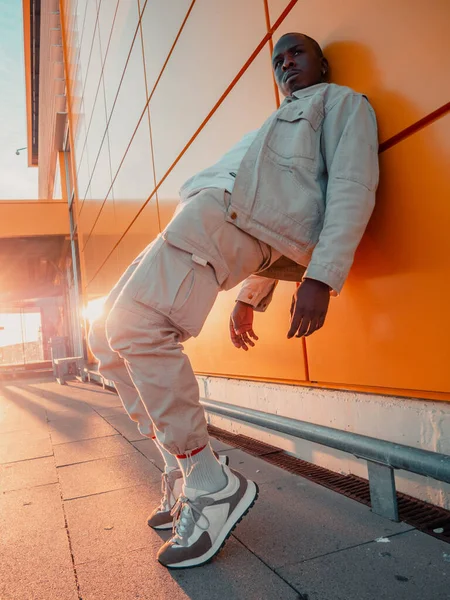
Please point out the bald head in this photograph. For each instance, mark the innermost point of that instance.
(298, 62)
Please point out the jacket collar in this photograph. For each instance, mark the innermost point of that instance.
(305, 93)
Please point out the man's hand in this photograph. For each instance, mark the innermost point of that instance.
(309, 308)
(241, 326)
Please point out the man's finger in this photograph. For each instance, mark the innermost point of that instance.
(291, 310)
(306, 321)
(321, 321)
(295, 323)
(313, 326)
(253, 334)
(235, 339)
(247, 340)
(243, 328)
(243, 344)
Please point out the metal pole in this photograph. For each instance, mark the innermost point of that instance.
(397, 456)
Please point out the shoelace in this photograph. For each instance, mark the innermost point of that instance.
(166, 491)
(183, 513)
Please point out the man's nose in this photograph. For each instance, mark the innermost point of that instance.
(287, 64)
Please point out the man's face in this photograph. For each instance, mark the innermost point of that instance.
(297, 64)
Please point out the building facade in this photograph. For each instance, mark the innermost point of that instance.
(129, 98)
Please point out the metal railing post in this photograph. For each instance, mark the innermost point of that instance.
(383, 496)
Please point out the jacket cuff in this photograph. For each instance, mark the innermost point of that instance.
(257, 292)
(326, 274)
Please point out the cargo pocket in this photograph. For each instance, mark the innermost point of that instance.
(168, 280)
(162, 272)
(195, 299)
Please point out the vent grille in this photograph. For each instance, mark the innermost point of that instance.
(425, 517)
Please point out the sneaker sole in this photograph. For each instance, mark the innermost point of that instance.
(241, 510)
(164, 527)
(169, 524)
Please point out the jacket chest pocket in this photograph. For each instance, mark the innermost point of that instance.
(295, 135)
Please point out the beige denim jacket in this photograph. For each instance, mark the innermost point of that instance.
(306, 187)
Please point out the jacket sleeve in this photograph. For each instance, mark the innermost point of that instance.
(257, 291)
(350, 149)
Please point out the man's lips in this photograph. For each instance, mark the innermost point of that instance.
(290, 74)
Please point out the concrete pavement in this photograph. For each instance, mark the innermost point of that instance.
(77, 482)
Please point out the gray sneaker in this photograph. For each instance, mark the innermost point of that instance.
(171, 486)
(204, 521)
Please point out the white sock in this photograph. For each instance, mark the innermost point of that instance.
(170, 461)
(202, 471)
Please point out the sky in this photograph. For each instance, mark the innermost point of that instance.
(17, 181)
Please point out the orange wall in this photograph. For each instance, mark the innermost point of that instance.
(152, 104)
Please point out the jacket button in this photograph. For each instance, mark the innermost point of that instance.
(250, 296)
(233, 216)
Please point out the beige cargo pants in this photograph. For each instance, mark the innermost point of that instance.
(161, 300)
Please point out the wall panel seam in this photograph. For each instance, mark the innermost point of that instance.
(266, 38)
(106, 129)
(141, 117)
(97, 91)
(415, 127)
(230, 87)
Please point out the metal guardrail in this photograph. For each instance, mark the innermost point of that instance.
(382, 457)
(62, 366)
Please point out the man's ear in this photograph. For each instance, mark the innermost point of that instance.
(324, 68)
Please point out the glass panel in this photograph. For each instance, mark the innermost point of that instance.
(97, 128)
(125, 26)
(87, 37)
(134, 182)
(20, 338)
(233, 119)
(98, 191)
(161, 23)
(216, 41)
(128, 108)
(106, 278)
(105, 22)
(92, 87)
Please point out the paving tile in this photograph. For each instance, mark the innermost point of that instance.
(149, 449)
(24, 445)
(126, 427)
(52, 584)
(256, 469)
(235, 573)
(15, 398)
(50, 396)
(85, 450)
(27, 474)
(295, 519)
(17, 418)
(412, 566)
(111, 411)
(79, 410)
(36, 561)
(52, 393)
(111, 524)
(93, 394)
(107, 474)
(74, 429)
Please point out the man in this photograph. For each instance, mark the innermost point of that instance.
(290, 201)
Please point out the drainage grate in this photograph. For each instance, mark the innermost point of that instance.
(427, 518)
(248, 444)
